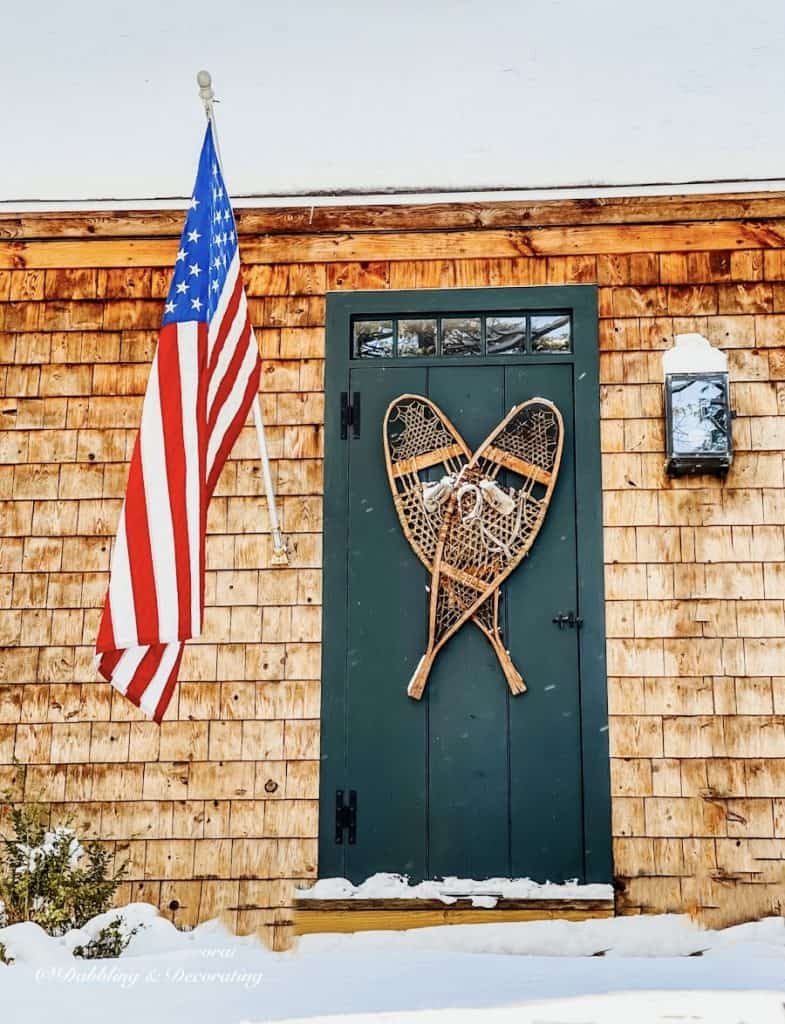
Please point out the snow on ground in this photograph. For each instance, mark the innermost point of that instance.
(482, 893)
(462, 974)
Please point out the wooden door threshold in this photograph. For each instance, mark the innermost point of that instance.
(313, 916)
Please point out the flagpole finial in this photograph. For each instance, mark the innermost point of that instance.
(205, 82)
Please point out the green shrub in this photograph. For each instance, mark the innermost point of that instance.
(49, 877)
(109, 942)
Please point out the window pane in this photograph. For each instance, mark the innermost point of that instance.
(699, 417)
(551, 333)
(373, 339)
(505, 334)
(462, 336)
(416, 337)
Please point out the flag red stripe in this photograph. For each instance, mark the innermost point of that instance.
(251, 391)
(230, 378)
(108, 663)
(105, 641)
(174, 449)
(144, 673)
(168, 690)
(225, 325)
(140, 554)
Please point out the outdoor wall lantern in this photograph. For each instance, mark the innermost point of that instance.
(698, 416)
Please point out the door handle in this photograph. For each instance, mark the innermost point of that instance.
(567, 619)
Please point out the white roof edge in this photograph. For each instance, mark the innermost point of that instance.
(404, 198)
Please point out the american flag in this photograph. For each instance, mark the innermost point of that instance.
(203, 381)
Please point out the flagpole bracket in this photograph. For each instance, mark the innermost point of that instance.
(280, 555)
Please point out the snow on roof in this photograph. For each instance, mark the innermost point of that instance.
(449, 96)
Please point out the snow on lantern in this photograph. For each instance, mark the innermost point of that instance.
(697, 407)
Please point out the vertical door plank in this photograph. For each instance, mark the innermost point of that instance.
(387, 608)
(467, 694)
(545, 722)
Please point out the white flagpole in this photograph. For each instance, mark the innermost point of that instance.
(280, 555)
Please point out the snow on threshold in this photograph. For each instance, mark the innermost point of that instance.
(482, 893)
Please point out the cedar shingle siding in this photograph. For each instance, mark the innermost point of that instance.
(217, 809)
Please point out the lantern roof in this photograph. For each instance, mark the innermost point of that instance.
(692, 353)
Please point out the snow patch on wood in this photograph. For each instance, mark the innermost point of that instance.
(485, 893)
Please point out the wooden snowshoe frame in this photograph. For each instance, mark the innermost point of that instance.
(468, 529)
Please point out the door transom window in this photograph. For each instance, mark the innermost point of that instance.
(456, 334)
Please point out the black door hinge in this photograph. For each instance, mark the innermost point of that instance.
(350, 415)
(346, 816)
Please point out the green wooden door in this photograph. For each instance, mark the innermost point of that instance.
(470, 781)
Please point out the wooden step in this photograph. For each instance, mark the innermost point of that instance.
(312, 916)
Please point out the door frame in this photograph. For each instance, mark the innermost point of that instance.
(581, 302)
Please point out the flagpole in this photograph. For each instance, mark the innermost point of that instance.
(280, 554)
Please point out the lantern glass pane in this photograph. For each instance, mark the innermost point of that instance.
(700, 417)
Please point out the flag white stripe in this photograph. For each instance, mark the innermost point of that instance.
(124, 671)
(232, 404)
(159, 511)
(187, 339)
(227, 352)
(155, 687)
(223, 301)
(121, 594)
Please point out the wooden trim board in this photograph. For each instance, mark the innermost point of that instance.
(356, 216)
(320, 916)
(404, 246)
